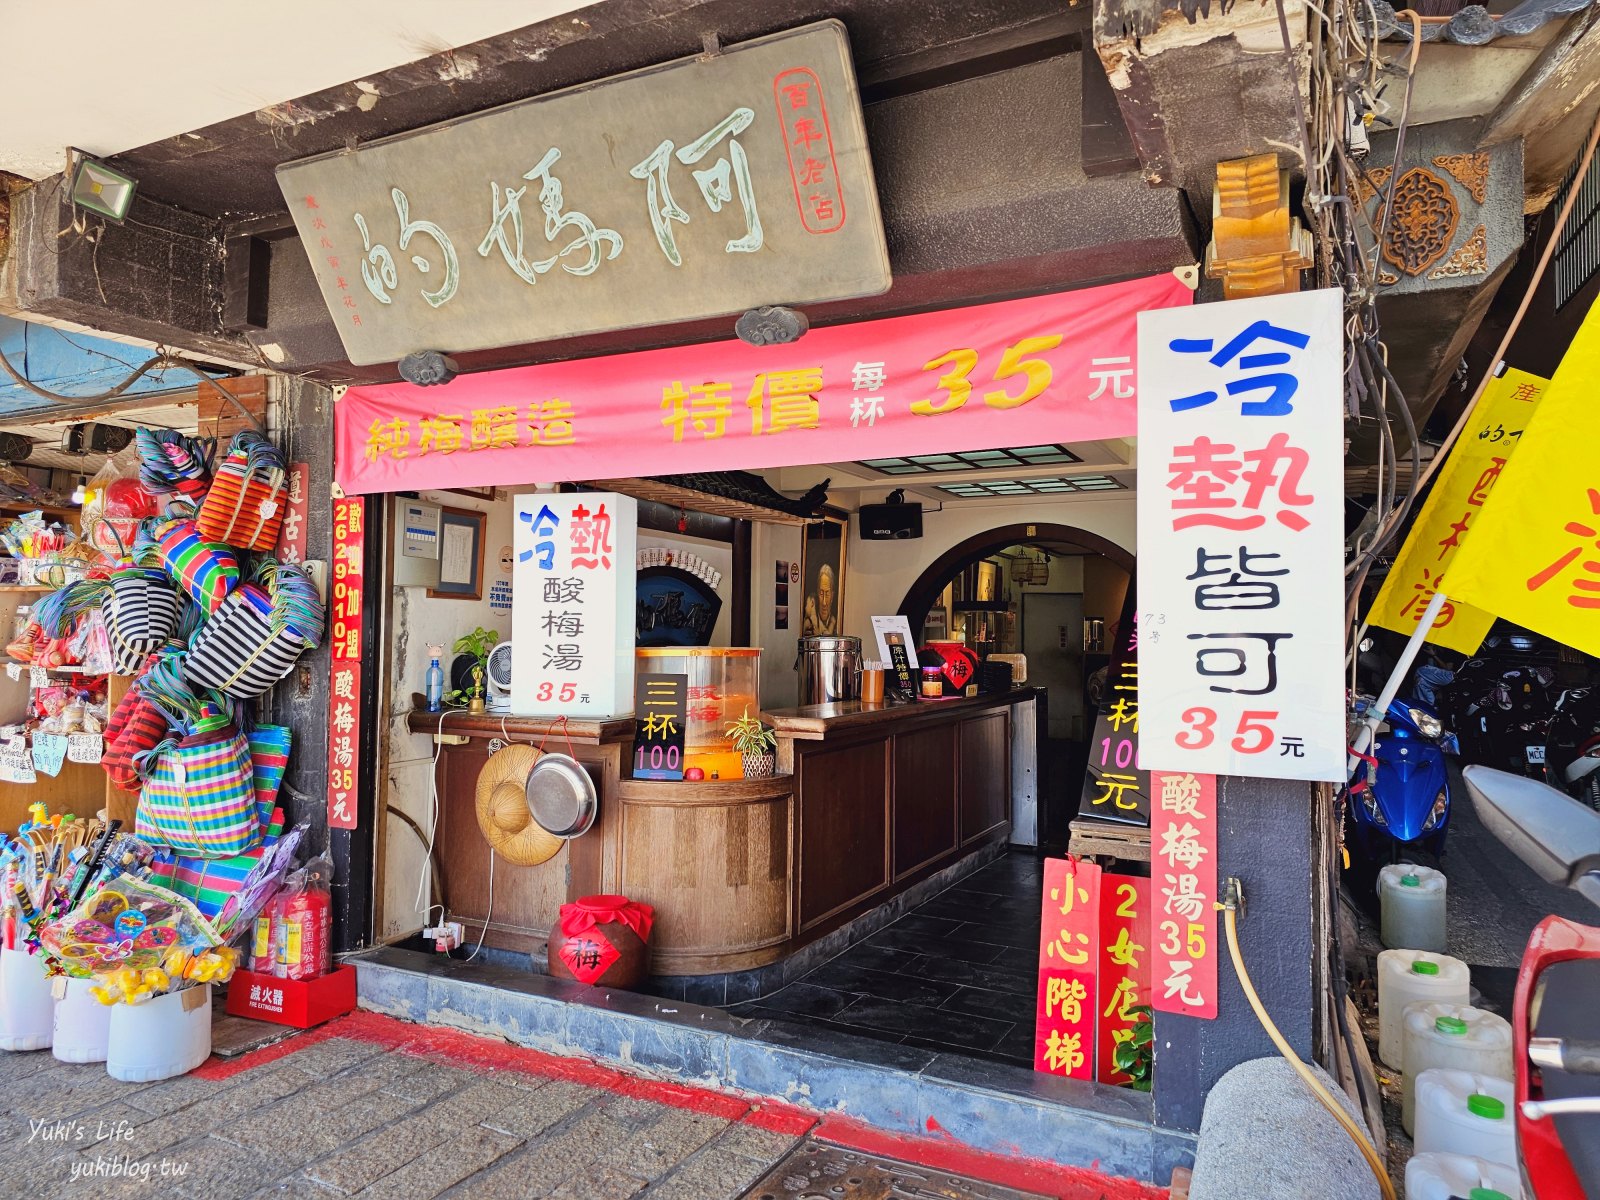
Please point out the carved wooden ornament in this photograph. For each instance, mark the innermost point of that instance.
(1424, 221)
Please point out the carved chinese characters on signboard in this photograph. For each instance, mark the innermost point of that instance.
(695, 189)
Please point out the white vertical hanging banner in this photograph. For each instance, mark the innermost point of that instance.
(572, 609)
(1241, 538)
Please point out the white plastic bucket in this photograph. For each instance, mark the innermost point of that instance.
(1462, 1113)
(1444, 1176)
(27, 1009)
(83, 1024)
(1449, 1035)
(1413, 903)
(1407, 976)
(167, 1036)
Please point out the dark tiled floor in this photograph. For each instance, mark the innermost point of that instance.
(959, 973)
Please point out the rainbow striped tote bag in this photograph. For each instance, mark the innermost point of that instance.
(208, 571)
(199, 798)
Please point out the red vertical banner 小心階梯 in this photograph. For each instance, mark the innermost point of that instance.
(345, 639)
(1069, 949)
(1124, 967)
(1183, 892)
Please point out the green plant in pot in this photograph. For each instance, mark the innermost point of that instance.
(1136, 1058)
(757, 745)
(478, 643)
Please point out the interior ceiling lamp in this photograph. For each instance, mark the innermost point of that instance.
(100, 188)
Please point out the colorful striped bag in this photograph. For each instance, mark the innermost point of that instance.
(174, 466)
(208, 571)
(253, 640)
(199, 795)
(269, 759)
(135, 728)
(141, 613)
(248, 496)
(210, 882)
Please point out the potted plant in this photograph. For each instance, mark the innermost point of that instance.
(1137, 1058)
(478, 643)
(757, 745)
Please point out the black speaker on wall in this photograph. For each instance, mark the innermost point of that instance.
(895, 521)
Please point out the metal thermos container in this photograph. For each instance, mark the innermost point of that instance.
(830, 669)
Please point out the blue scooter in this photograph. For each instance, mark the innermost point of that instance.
(1400, 796)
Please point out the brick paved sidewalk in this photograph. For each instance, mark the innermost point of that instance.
(374, 1108)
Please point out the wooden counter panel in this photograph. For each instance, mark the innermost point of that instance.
(924, 798)
(526, 899)
(494, 725)
(717, 873)
(844, 798)
(985, 773)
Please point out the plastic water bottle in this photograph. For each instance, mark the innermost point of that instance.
(435, 686)
(1450, 1035)
(1442, 1176)
(1413, 900)
(1406, 977)
(1462, 1113)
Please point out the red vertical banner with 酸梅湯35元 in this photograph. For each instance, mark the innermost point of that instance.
(346, 591)
(1183, 893)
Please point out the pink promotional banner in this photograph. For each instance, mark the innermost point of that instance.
(1055, 368)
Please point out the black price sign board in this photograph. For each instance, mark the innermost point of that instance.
(1114, 788)
(662, 702)
(905, 675)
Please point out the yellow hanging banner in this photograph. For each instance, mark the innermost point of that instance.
(1534, 553)
(1454, 508)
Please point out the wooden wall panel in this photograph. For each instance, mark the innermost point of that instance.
(844, 826)
(985, 773)
(924, 797)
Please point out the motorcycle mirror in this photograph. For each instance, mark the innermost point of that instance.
(1555, 835)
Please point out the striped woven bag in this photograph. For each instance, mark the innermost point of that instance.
(141, 613)
(209, 882)
(174, 466)
(245, 505)
(253, 640)
(208, 571)
(199, 796)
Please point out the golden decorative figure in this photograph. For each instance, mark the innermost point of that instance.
(1471, 259)
(1471, 171)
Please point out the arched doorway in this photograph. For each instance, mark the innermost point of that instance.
(920, 596)
(1048, 619)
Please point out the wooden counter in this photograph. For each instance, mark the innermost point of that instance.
(742, 872)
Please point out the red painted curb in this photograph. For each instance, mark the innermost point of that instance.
(940, 1151)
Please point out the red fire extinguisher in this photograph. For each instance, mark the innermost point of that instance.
(302, 923)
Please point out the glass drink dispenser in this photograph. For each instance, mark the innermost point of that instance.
(724, 681)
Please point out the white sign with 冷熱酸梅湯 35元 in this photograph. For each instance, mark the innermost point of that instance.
(1241, 538)
(572, 609)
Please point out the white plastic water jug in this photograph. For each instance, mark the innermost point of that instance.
(1462, 1113)
(27, 1009)
(1443, 1176)
(1407, 976)
(1413, 903)
(167, 1036)
(1445, 1035)
(83, 1024)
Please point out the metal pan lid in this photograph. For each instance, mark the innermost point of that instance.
(561, 796)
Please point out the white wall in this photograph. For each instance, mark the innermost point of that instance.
(417, 620)
(878, 574)
(780, 685)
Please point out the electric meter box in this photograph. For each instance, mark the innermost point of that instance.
(416, 550)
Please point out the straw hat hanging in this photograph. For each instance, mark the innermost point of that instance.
(503, 809)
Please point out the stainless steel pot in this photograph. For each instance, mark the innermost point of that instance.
(830, 669)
